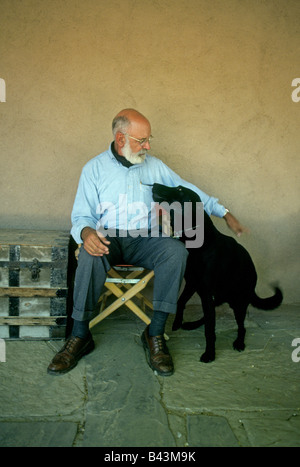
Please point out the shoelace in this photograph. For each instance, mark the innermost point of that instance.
(70, 344)
(159, 344)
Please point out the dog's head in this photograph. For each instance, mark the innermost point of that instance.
(169, 194)
(185, 209)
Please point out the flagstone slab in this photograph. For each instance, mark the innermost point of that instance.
(266, 431)
(210, 431)
(249, 380)
(37, 434)
(124, 406)
(26, 390)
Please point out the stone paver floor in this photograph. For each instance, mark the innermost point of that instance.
(113, 399)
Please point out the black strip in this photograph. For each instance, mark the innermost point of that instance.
(14, 270)
(14, 253)
(14, 277)
(58, 277)
(14, 305)
(59, 331)
(58, 306)
(14, 332)
(59, 253)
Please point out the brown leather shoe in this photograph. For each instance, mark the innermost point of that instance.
(157, 354)
(70, 354)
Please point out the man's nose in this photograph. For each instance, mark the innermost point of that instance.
(146, 145)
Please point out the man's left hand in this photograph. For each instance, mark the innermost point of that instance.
(234, 224)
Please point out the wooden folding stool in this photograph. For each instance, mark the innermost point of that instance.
(134, 281)
(133, 284)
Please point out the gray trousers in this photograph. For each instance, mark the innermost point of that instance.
(166, 256)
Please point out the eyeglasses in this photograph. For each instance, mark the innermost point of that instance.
(140, 141)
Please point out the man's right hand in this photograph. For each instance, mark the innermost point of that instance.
(94, 242)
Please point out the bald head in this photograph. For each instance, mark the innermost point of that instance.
(132, 133)
(127, 118)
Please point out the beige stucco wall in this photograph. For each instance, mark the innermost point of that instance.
(214, 78)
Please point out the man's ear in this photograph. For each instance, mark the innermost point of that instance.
(120, 139)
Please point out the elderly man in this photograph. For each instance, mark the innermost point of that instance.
(111, 234)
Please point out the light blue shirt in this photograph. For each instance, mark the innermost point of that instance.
(118, 197)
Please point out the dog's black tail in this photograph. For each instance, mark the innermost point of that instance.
(269, 303)
(193, 324)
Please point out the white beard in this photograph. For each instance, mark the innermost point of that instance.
(133, 157)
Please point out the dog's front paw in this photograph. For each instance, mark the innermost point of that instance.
(239, 345)
(207, 357)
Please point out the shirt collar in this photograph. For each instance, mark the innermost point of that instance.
(119, 158)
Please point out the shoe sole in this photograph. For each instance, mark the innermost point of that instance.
(148, 358)
(85, 351)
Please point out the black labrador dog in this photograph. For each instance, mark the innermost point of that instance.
(220, 271)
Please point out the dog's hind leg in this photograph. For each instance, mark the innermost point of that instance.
(187, 293)
(209, 325)
(240, 314)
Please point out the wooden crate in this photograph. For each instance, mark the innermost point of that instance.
(33, 284)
